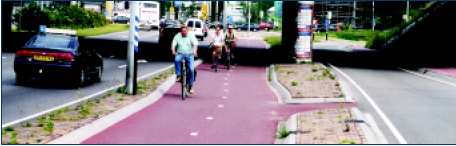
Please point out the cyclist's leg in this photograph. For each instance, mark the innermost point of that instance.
(177, 64)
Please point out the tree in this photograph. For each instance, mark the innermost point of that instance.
(255, 9)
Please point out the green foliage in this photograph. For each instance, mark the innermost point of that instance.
(49, 126)
(8, 129)
(102, 30)
(122, 90)
(282, 132)
(356, 35)
(85, 109)
(273, 40)
(41, 121)
(60, 16)
(294, 83)
(13, 139)
(347, 141)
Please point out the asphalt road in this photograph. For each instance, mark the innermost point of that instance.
(422, 110)
(22, 101)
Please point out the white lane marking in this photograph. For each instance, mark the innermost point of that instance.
(224, 97)
(142, 61)
(377, 109)
(122, 66)
(226, 90)
(429, 78)
(220, 106)
(226, 84)
(3, 57)
(228, 74)
(225, 78)
(194, 134)
(231, 70)
(209, 118)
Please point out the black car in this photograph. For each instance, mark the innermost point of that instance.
(121, 19)
(57, 56)
(253, 27)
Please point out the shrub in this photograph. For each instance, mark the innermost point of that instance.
(283, 132)
(273, 40)
(62, 16)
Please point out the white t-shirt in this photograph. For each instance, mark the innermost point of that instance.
(218, 39)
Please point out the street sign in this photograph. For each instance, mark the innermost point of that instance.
(329, 15)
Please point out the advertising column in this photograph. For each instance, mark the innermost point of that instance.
(304, 23)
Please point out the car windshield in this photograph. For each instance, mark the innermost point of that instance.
(190, 24)
(198, 24)
(50, 41)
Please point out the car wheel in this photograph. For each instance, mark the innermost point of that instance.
(80, 78)
(21, 78)
(98, 75)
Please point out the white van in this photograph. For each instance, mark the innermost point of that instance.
(149, 14)
(197, 27)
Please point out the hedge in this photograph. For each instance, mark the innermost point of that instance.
(61, 16)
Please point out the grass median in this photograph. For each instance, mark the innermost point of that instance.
(110, 28)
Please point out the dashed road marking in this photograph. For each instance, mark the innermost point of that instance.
(122, 66)
(3, 57)
(225, 78)
(224, 97)
(142, 61)
(194, 134)
(220, 106)
(226, 90)
(209, 118)
(226, 84)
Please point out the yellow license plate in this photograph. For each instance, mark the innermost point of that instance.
(43, 58)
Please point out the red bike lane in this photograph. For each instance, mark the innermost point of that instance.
(228, 107)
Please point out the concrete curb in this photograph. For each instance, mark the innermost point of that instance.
(369, 128)
(285, 96)
(79, 135)
(292, 125)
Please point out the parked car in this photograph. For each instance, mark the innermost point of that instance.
(197, 27)
(121, 19)
(253, 27)
(266, 26)
(55, 53)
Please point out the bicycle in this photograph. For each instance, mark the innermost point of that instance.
(228, 55)
(183, 79)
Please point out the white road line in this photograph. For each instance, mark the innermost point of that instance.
(225, 78)
(3, 57)
(209, 118)
(194, 134)
(224, 97)
(382, 115)
(122, 66)
(220, 106)
(226, 90)
(429, 78)
(226, 84)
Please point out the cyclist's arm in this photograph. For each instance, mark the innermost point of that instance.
(174, 44)
(194, 45)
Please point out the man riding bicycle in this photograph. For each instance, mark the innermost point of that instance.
(184, 47)
(216, 45)
(230, 42)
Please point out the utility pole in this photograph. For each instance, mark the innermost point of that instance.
(354, 14)
(250, 17)
(132, 48)
(224, 16)
(407, 11)
(373, 15)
